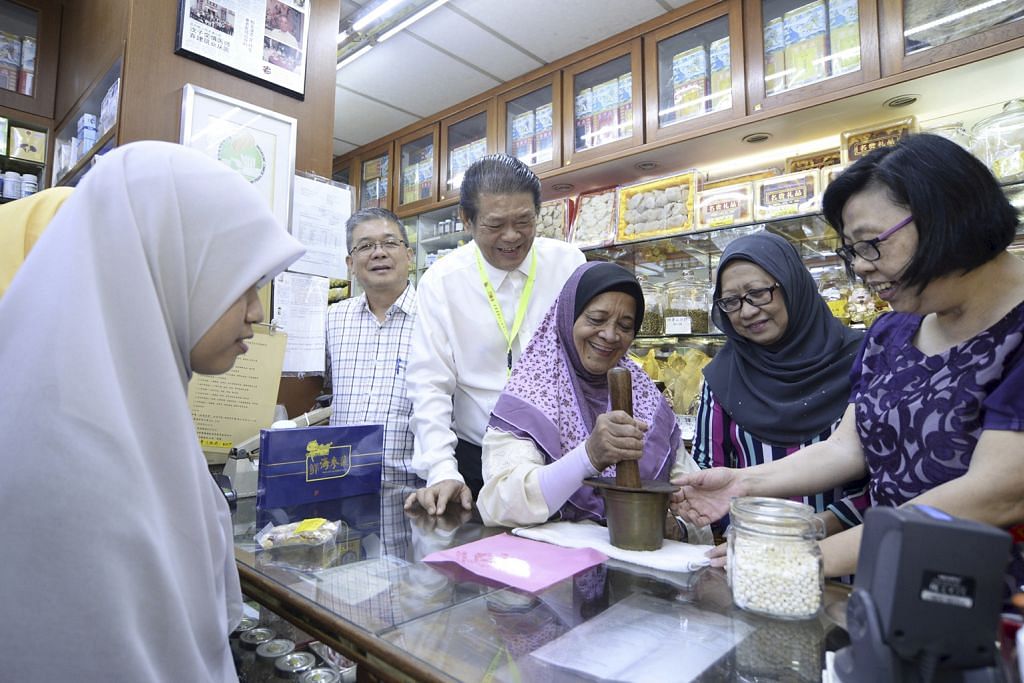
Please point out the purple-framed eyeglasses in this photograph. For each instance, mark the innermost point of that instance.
(868, 249)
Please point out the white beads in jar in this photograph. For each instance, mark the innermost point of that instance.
(775, 565)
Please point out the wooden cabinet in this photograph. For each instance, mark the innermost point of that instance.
(693, 71)
(916, 33)
(603, 110)
(27, 82)
(371, 175)
(465, 137)
(89, 129)
(799, 50)
(530, 123)
(415, 174)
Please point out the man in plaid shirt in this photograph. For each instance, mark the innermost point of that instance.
(368, 338)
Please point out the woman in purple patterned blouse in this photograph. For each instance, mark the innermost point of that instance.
(936, 413)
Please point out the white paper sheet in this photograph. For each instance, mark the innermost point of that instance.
(300, 309)
(643, 638)
(319, 212)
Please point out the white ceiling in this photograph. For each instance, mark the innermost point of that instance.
(465, 48)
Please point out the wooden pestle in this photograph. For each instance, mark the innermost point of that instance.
(620, 385)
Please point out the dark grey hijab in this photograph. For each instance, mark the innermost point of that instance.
(789, 392)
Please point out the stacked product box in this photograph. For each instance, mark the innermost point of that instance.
(721, 74)
(690, 79)
(657, 208)
(86, 133)
(3, 135)
(625, 108)
(806, 49)
(775, 56)
(725, 206)
(593, 224)
(27, 72)
(542, 131)
(792, 194)
(424, 173)
(844, 36)
(606, 111)
(584, 119)
(10, 60)
(523, 136)
(109, 106)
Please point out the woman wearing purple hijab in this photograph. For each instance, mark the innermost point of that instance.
(552, 428)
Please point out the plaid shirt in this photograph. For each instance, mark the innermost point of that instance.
(366, 362)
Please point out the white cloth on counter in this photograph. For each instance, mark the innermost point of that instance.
(673, 556)
(458, 361)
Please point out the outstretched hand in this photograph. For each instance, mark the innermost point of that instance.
(434, 499)
(616, 437)
(704, 497)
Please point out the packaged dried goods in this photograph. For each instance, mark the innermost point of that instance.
(786, 195)
(553, 219)
(856, 143)
(657, 208)
(805, 162)
(594, 222)
(725, 206)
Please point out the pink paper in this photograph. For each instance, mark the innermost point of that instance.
(519, 562)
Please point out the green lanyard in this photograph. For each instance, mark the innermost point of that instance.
(524, 299)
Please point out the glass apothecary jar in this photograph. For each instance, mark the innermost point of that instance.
(999, 142)
(687, 306)
(775, 565)
(955, 132)
(654, 310)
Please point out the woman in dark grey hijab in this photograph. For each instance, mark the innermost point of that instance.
(782, 380)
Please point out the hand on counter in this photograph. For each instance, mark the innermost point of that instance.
(717, 555)
(704, 497)
(434, 499)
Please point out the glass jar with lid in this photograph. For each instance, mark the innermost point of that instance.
(775, 565)
(266, 654)
(955, 132)
(834, 288)
(248, 641)
(291, 666)
(999, 142)
(654, 317)
(686, 311)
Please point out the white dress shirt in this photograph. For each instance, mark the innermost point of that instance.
(458, 361)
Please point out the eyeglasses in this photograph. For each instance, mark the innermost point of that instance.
(389, 245)
(761, 296)
(868, 249)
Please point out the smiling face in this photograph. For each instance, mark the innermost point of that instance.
(604, 330)
(216, 351)
(379, 270)
(867, 214)
(762, 325)
(504, 228)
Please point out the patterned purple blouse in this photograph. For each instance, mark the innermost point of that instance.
(918, 416)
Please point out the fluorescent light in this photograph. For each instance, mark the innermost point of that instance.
(353, 57)
(342, 36)
(375, 14)
(411, 20)
(955, 16)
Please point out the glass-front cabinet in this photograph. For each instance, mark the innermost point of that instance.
(465, 137)
(29, 35)
(435, 233)
(915, 33)
(417, 169)
(374, 170)
(694, 71)
(529, 123)
(605, 96)
(798, 50)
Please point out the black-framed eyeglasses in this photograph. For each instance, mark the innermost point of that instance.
(762, 296)
(390, 245)
(868, 249)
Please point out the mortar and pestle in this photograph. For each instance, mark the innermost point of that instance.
(635, 508)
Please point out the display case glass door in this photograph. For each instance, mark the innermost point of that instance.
(465, 137)
(417, 169)
(915, 33)
(374, 183)
(530, 123)
(799, 50)
(29, 35)
(690, 76)
(605, 112)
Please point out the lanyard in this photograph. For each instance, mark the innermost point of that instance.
(524, 299)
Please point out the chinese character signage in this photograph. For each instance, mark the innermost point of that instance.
(314, 464)
(262, 40)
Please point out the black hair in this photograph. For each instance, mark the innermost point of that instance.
(963, 218)
(609, 277)
(496, 174)
(366, 215)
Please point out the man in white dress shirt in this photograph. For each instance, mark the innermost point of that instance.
(478, 308)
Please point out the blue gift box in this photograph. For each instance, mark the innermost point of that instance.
(311, 464)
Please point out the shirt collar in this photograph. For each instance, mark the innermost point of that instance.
(406, 301)
(497, 275)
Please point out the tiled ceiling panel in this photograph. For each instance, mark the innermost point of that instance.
(361, 119)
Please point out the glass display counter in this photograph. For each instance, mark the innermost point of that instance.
(401, 619)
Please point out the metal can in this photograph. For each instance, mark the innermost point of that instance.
(266, 654)
(247, 644)
(291, 666)
(320, 676)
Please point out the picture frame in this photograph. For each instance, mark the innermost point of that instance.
(264, 41)
(256, 142)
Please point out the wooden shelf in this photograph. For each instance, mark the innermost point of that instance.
(72, 175)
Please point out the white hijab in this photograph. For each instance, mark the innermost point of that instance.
(116, 560)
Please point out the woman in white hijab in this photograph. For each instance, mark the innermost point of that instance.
(116, 561)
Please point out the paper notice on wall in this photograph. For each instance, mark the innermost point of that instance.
(228, 409)
(319, 212)
(300, 309)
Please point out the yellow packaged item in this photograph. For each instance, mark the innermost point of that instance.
(805, 44)
(657, 208)
(651, 366)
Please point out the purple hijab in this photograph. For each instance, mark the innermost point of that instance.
(552, 399)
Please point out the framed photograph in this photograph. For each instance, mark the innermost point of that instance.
(256, 142)
(264, 41)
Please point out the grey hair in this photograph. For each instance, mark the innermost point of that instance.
(365, 216)
(496, 174)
